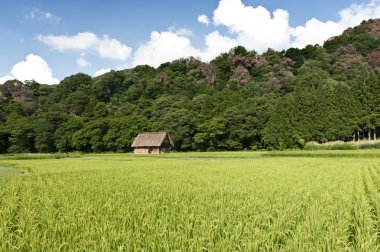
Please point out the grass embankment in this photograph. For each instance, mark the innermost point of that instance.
(32, 156)
(325, 153)
(242, 201)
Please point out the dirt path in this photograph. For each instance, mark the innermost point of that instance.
(9, 171)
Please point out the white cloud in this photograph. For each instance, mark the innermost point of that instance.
(32, 68)
(316, 32)
(254, 28)
(168, 46)
(6, 78)
(113, 49)
(36, 14)
(181, 31)
(216, 44)
(356, 13)
(105, 46)
(81, 41)
(203, 19)
(163, 47)
(101, 71)
(82, 62)
(123, 66)
(251, 27)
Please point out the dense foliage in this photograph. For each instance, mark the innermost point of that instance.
(240, 100)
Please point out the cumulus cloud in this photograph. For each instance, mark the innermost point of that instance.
(257, 28)
(32, 68)
(216, 44)
(36, 14)
(254, 28)
(356, 13)
(181, 31)
(82, 62)
(105, 46)
(81, 41)
(101, 71)
(163, 47)
(316, 32)
(6, 78)
(113, 49)
(203, 19)
(168, 46)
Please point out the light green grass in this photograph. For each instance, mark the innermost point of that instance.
(242, 201)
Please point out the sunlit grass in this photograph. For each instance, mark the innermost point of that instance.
(191, 201)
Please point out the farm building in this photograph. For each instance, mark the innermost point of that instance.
(152, 143)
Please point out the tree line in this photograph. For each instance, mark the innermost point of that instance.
(240, 100)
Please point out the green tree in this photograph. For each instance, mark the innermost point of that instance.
(211, 134)
(90, 137)
(122, 131)
(180, 123)
(63, 136)
(107, 85)
(21, 135)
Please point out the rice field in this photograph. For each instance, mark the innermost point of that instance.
(237, 201)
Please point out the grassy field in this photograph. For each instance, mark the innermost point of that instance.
(234, 201)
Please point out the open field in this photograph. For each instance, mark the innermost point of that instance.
(244, 201)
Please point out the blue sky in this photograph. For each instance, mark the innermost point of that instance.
(48, 40)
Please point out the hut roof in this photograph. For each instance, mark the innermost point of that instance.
(151, 139)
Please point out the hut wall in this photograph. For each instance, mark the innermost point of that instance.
(141, 150)
(155, 150)
(147, 150)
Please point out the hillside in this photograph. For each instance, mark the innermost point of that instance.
(240, 100)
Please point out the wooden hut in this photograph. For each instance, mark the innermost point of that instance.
(152, 143)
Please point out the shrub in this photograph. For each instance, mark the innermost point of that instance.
(316, 146)
(369, 146)
(330, 146)
(345, 146)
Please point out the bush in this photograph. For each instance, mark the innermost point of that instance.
(330, 146)
(316, 146)
(345, 146)
(370, 146)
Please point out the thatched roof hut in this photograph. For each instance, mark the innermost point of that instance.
(152, 143)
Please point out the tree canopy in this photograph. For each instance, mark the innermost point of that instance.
(240, 100)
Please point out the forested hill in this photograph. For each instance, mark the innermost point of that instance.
(240, 100)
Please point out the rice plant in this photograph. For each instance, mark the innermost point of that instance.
(192, 202)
